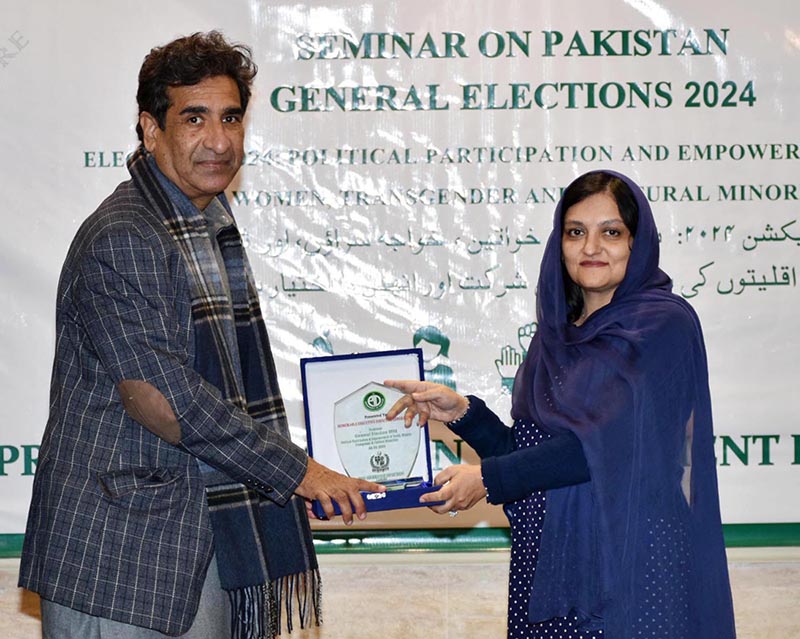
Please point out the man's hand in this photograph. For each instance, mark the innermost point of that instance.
(461, 488)
(326, 486)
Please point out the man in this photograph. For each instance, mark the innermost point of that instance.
(167, 483)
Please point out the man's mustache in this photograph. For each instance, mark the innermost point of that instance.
(224, 157)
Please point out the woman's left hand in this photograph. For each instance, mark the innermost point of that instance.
(461, 488)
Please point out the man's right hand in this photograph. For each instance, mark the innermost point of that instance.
(326, 486)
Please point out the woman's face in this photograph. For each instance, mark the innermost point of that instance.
(596, 246)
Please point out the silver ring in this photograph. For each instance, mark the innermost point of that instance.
(453, 513)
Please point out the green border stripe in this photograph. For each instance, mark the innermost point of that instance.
(754, 535)
(10, 545)
(473, 539)
(492, 539)
(431, 540)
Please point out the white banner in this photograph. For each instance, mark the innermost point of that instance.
(403, 163)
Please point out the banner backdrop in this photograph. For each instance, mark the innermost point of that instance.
(403, 161)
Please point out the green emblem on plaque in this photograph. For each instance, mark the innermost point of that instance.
(370, 447)
(374, 401)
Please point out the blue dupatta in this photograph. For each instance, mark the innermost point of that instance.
(639, 548)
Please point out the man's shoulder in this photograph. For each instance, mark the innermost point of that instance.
(123, 224)
(125, 211)
(126, 204)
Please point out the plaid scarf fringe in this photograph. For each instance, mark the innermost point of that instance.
(258, 610)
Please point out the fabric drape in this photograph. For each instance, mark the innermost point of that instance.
(638, 551)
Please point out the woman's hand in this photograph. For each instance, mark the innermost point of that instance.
(428, 400)
(461, 488)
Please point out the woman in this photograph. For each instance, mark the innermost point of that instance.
(612, 418)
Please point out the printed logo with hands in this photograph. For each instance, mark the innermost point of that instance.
(511, 358)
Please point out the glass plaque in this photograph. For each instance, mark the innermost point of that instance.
(369, 446)
(346, 404)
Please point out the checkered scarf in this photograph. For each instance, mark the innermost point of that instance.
(265, 552)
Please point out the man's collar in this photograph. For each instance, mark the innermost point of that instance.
(176, 196)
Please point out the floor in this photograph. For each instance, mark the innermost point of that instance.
(447, 595)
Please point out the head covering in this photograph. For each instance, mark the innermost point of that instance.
(639, 548)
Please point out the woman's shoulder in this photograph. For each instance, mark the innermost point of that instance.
(666, 324)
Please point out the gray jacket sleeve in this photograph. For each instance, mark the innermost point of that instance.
(132, 302)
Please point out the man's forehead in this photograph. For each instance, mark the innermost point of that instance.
(219, 92)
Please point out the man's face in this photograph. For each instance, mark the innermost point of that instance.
(202, 144)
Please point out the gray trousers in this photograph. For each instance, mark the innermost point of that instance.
(212, 620)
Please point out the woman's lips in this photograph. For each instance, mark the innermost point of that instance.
(593, 263)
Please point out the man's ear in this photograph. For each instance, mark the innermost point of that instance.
(150, 129)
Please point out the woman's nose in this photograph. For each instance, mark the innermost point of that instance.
(592, 244)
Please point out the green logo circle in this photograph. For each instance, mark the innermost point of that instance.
(374, 401)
